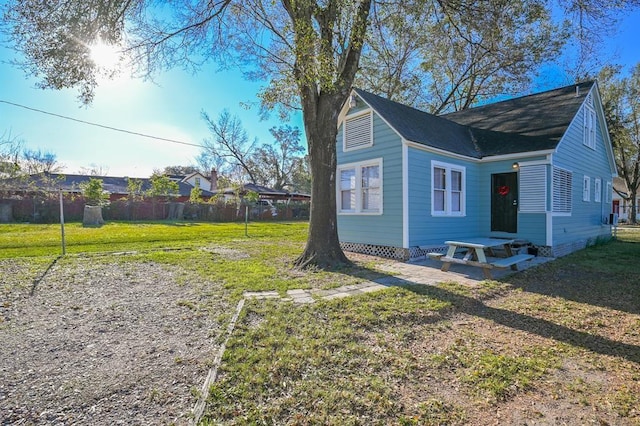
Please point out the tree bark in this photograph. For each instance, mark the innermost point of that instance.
(92, 216)
(323, 91)
(633, 212)
(323, 247)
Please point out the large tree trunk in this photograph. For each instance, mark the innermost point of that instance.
(323, 247)
(92, 216)
(633, 212)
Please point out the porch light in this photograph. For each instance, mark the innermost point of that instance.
(515, 166)
(353, 102)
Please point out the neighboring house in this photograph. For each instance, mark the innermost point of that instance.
(196, 179)
(264, 192)
(622, 200)
(115, 186)
(537, 168)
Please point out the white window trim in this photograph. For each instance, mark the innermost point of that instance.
(586, 188)
(597, 190)
(358, 189)
(463, 198)
(608, 194)
(344, 130)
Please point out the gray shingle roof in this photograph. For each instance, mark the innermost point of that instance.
(529, 123)
(546, 114)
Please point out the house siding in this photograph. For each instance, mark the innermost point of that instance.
(585, 224)
(384, 229)
(424, 228)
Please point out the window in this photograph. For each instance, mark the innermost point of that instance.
(607, 193)
(586, 188)
(589, 126)
(597, 190)
(348, 190)
(358, 131)
(447, 189)
(198, 182)
(371, 188)
(561, 190)
(360, 188)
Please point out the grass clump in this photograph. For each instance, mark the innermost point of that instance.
(435, 412)
(496, 377)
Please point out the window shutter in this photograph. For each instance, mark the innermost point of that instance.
(561, 190)
(533, 189)
(357, 131)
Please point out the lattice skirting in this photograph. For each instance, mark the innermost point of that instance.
(398, 253)
(414, 253)
(545, 251)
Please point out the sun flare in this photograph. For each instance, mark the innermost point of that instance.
(105, 56)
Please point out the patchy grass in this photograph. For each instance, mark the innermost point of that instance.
(557, 344)
(318, 364)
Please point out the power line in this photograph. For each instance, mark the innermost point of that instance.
(100, 125)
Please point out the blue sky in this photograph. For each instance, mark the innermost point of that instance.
(169, 107)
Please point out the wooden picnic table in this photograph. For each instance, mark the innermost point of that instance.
(475, 254)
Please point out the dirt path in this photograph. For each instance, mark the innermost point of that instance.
(100, 343)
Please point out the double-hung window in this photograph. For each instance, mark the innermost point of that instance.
(447, 189)
(360, 188)
(597, 190)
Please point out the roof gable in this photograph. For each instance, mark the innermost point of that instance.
(421, 127)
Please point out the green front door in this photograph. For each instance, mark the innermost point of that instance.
(504, 202)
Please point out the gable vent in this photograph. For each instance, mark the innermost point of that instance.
(357, 131)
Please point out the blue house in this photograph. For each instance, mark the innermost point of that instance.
(537, 168)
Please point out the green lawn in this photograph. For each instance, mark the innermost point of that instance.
(18, 240)
(557, 344)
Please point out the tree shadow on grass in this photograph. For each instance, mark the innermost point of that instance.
(604, 276)
(467, 304)
(541, 327)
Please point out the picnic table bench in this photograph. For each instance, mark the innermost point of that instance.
(475, 255)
